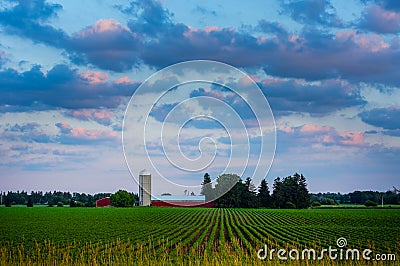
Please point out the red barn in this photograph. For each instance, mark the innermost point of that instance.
(104, 202)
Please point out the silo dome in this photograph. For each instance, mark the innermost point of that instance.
(144, 172)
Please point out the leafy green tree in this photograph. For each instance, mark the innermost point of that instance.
(228, 189)
(36, 197)
(316, 204)
(79, 204)
(264, 198)
(232, 198)
(290, 205)
(225, 184)
(90, 201)
(18, 198)
(370, 203)
(239, 194)
(328, 201)
(122, 198)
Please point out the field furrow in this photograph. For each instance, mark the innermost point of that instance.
(49, 236)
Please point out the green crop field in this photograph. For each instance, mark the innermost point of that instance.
(184, 236)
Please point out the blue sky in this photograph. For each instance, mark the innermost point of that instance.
(329, 69)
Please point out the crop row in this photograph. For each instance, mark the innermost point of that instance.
(196, 233)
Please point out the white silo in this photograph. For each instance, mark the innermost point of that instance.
(144, 188)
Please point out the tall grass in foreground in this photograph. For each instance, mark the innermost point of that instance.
(128, 253)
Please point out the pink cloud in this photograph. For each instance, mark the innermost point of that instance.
(246, 81)
(64, 125)
(311, 128)
(192, 32)
(352, 138)
(103, 25)
(95, 77)
(108, 44)
(92, 134)
(123, 80)
(381, 20)
(327, 135)
(198, 39)
(79, 135)
(82, 114)
(327, 139)
(100, 116)
(261, 40)
(209, 29)
(372, 42)
(343, 36)
(286, 129)
(214, 94)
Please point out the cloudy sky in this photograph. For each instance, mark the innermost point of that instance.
(330, 71)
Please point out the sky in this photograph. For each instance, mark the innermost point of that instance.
(327, 77)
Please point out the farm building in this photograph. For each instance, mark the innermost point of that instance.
(181, 201)
(144, 188)
(146, 199)
(104, 202)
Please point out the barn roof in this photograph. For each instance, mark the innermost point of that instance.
(179, 198)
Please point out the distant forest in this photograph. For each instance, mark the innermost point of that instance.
(357, 197)
(54, 198)
(288, 192)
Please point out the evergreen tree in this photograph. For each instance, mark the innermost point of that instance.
(206, 188)
(249, 195)
(237, 196)
(304, 195)
(277, 193)
(289, 188)
(291, 192)
(263, 196)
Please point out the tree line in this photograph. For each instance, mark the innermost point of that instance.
(54, 198)
(289, 192)
(356, 197)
